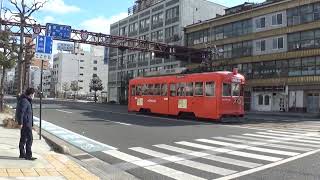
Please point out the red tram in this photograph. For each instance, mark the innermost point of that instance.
(211, 95)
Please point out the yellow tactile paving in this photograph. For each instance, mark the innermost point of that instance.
(59, 166)
(3, 174)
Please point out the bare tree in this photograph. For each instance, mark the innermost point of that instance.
(74, 87)
(23, 12)
(65, 88)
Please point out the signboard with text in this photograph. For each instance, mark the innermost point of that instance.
(44, 47)
(58, 32)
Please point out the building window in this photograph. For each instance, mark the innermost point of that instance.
(94, 75)
(294, 67)
(278, 43)
(81, 60)
(156, 19)
(260, 100)
(81, 67)
(144, 24)
(95, 62)
(261, 45)
(267, 100)
(81, 74)
(157, 36)
(95, 68)
(133, 27)
(261, 23)
(172, 34)
(123, 31)
(277, 19)
(308, 66)
(172, 13)
(81, 81)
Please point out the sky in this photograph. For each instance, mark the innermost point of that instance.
(92, 15)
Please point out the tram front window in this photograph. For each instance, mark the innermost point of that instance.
(235, 89)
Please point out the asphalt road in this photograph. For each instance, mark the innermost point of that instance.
(160, 147)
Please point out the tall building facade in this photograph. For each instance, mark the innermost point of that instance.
(81, 67)
(276, 45)
(158, 21)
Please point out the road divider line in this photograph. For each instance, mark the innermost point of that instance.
(68, 112)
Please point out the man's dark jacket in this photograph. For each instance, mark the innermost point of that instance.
(24, 114)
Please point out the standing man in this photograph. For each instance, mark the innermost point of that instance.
(24, 116)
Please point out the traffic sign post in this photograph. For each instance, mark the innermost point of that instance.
(44, 52)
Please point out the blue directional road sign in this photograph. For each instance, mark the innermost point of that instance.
(58, 32)
(44, 47)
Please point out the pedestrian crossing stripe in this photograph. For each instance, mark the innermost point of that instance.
(293, 145)
(260, 143)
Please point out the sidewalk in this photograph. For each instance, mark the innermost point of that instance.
(48, 166)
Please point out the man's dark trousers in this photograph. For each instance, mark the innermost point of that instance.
(25, 143)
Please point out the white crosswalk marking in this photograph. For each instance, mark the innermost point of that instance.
(260, 143)
(188, 163)
(209, 156)
(165, 171)
(232, 152)
(290, 136)
(286, 132)
(288, 141)
(241, 146)
(283, 138)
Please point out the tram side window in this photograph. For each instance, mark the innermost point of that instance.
(150, 90)
(210, 86)
(226, 89)
(139, 90)
(235, 89)
(189, 89)
(198, 89)
(145, 90)
(156, 91)
(173, 90)
(133, 90)
(164, 90)
(182, 89)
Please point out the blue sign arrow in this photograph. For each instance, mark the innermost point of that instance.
(59, 32)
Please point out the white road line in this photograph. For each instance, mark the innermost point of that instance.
(250, 171)
(283, 138)
(286, 132)
(209, 156)
(126, 124)
(232, 152)
(261, 143)
(309, 136)
(241, 146)
(184, 162)
(286, 141)
(68, 112)
(165, 171)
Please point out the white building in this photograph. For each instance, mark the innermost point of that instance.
(158, 21)
(46, 83)
(35, 73)
(81, 67)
